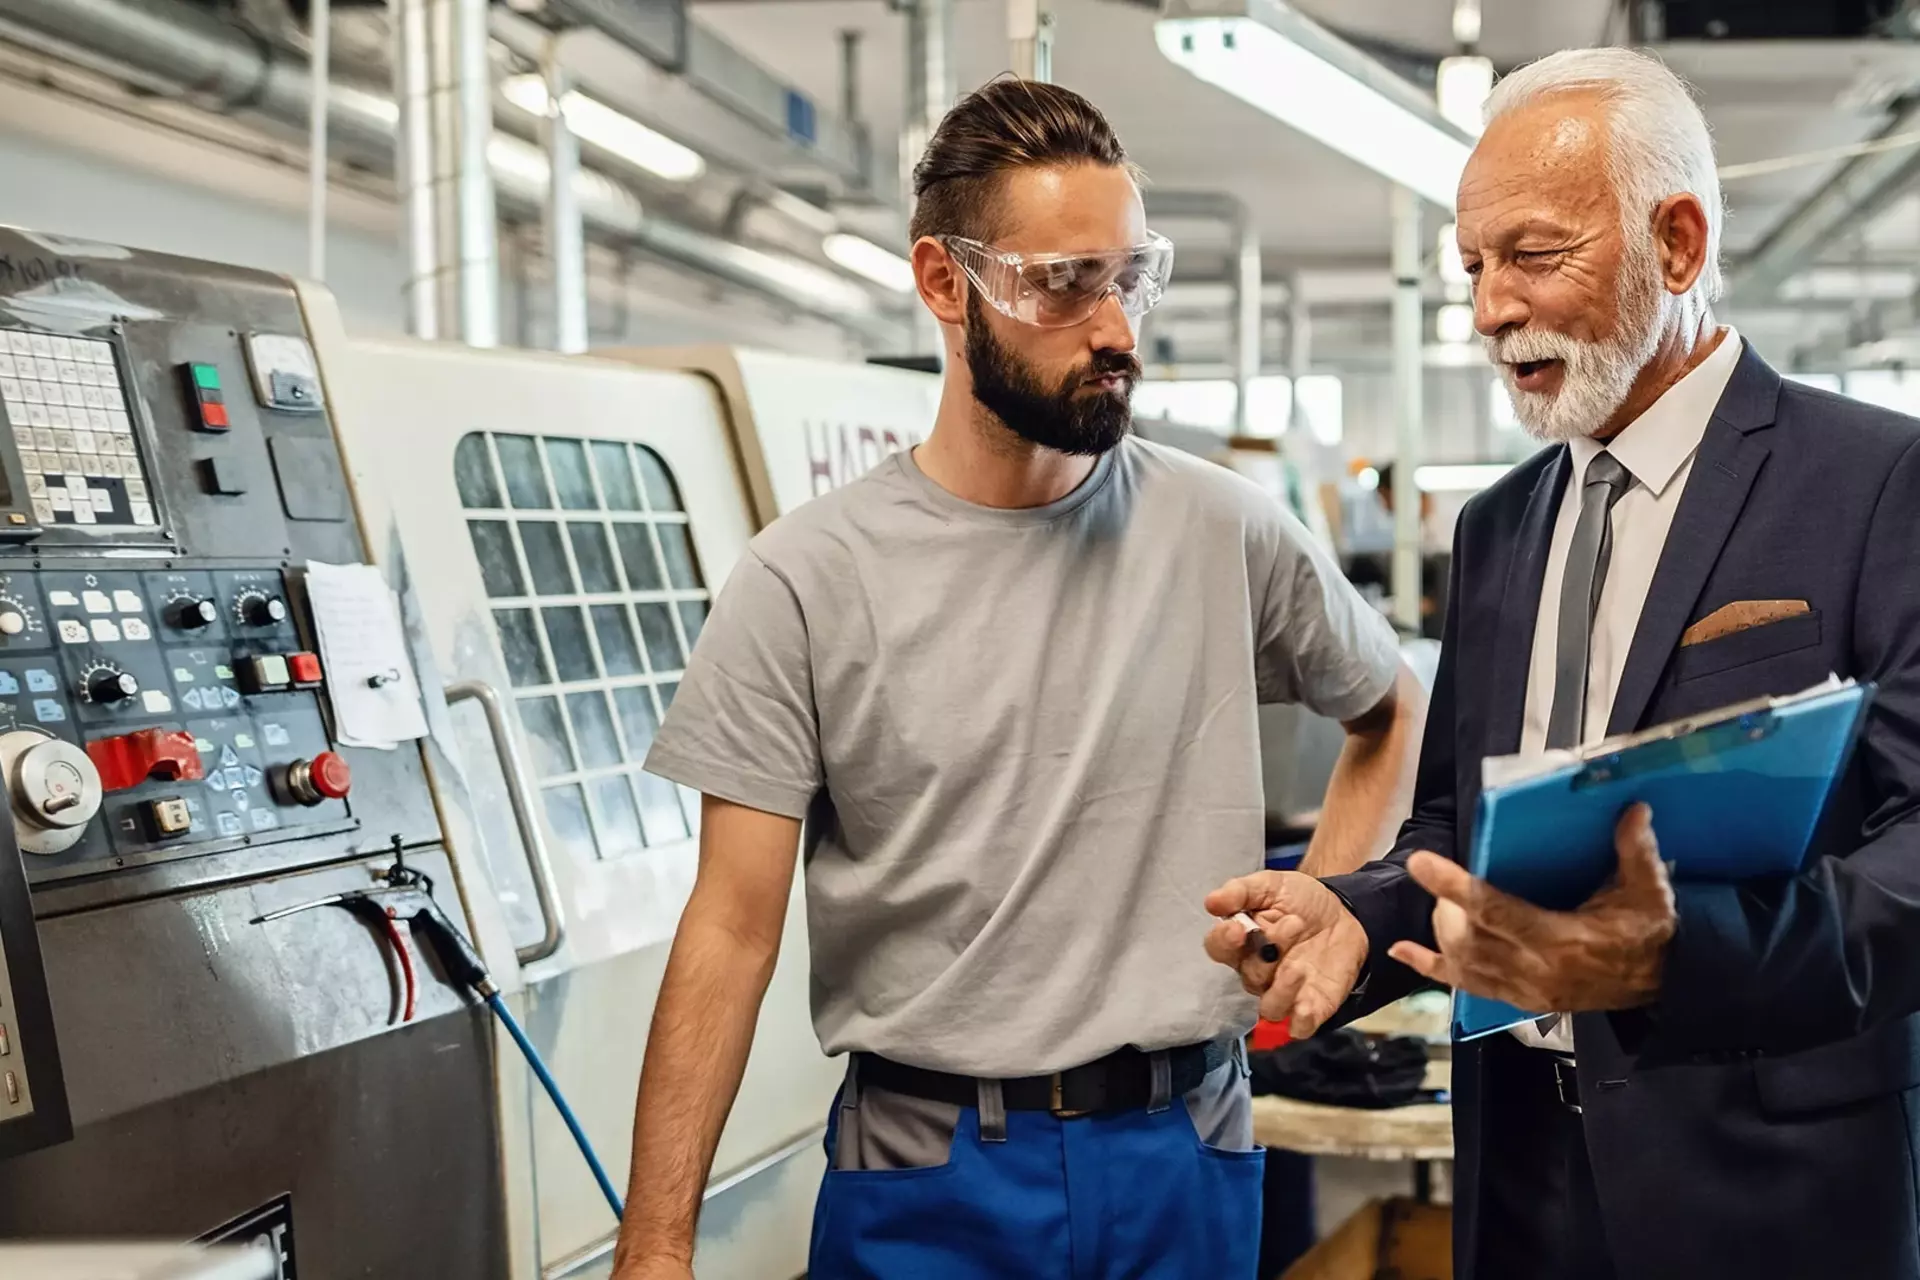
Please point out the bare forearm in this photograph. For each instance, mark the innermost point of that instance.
(1371, 789)
(696, 1054)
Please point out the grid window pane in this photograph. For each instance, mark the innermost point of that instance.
(567, 637)
(499, 566)
(667, 690)
(615, 818)
(637, 554)
(656, 628)
(674, 545)
(594, 557)
(593, 729)
(567, 459)
(567, 819)
(660, 810)
(547, 733)
(693, 616)
(662, 493)
(616, 476)
(526, 665)
(520, 464)
(637, 719)
(546, 558)
(617, 648)
(473, 473)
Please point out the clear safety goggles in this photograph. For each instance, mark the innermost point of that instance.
(1059, 290)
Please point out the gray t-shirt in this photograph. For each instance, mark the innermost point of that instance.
(1025, 743)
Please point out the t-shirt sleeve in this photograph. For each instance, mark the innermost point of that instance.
(742, 726)
(1320, 643)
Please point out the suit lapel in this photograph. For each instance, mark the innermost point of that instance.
(1520, 606)
(1730, 457)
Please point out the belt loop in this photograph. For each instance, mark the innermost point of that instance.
(993, 1110)
(1160, 1066)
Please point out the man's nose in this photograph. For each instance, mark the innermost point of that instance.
(1497, 306)
(1109, 329)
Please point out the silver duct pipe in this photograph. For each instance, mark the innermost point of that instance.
(1409, 375)
(320, 22)
(185, 46)
(413, 164)
(930, 91)
(1030, 40)
(460, 106)
(566, 234)
(1248, 279)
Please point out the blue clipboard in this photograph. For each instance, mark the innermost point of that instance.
(1736, 795)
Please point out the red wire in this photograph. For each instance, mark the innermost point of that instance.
(399, 942)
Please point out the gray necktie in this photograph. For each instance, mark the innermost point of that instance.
(1585, 575)
(1580, 584)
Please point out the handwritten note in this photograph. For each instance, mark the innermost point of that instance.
(370, 676)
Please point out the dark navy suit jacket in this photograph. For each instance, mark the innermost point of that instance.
(1761, 1121)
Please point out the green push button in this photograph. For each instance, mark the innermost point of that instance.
(206, 375)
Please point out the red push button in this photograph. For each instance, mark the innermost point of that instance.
(214, 417)
(303, 668)
(331, 775)
(133, 758)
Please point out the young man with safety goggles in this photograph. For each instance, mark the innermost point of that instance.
(1009, 680)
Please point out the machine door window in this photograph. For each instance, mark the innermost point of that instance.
(597, 598)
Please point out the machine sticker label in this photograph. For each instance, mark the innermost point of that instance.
(270, 1225)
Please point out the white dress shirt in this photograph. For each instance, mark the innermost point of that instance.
(1658, 449)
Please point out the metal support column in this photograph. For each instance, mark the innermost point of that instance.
(413, 162)
(566, 235)
(929, 94)
(1030, 40)
(1247, 298)
(1408, 409)
(479, 224)
(320, 24)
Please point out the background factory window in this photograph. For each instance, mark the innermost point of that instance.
(597, 599)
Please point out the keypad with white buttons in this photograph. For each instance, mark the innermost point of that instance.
(71, 423)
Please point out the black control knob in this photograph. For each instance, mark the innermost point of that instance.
(112, 686)
(265, 611)
(192, 614)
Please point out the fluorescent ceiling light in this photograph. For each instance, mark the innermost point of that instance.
(1468, 477)
(1462, 87)
(597, 123)
(865, 258)
(1268, 55)
(1466, 21)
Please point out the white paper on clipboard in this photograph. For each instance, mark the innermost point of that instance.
(370, 677)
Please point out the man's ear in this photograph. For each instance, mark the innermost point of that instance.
(942, 285)
(1680, 235)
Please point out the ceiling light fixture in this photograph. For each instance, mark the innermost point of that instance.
(596, 123)
(1462, 86)
(866, 259)
(1269, 55)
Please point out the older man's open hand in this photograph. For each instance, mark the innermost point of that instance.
(1322, 947)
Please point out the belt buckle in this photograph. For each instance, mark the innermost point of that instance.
(1561, 1074)
(1056, 1101)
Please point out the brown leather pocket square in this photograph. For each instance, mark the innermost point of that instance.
(1741, 615)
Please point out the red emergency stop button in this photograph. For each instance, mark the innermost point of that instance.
(332, 777)
(303, 668)
(308, 782)
(133, 758)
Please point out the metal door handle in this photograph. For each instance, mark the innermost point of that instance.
(520, 797)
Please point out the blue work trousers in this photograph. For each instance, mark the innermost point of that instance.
(1132, 1195)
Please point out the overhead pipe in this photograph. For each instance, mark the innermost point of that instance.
(176, 42)
(320, 24)
(1409, 375)
(930, 92)
(566, 233)
(413, 164)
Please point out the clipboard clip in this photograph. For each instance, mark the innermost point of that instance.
(1686, 743)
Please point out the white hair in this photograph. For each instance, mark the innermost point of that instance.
(1659, 144)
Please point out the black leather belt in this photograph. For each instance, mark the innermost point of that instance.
(1121, 1081)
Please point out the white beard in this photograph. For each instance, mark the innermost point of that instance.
(1597, 376)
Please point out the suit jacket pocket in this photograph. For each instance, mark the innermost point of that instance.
(1885, 1060)
(1756, 644)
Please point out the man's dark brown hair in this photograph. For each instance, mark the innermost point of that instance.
(1007, 124)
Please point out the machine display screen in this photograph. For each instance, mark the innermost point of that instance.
(67, 406)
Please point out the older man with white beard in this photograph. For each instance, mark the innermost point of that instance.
(1730, 1089)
